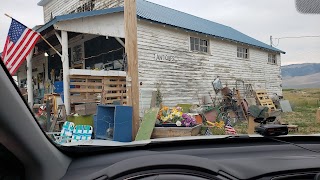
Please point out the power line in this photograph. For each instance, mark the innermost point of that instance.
(292, 37)
(297, 37)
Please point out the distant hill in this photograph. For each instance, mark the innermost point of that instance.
(305, 75)
(300, 69)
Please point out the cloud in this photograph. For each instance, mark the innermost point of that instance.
(27, 12)
(258, 19)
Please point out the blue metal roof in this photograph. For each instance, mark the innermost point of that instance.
(161, 14)
(164, 15)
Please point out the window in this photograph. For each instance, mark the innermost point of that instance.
(272, 59)
(77, 54)
(242, 52)
(200, 45)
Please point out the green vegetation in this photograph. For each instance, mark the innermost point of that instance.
(305, 103)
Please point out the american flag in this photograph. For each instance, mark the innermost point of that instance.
(228, 128)
(20, 41)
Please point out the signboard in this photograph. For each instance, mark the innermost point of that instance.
(160, 57)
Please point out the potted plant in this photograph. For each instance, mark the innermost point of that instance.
(174, 123)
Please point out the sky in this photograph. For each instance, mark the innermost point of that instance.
(258, 19)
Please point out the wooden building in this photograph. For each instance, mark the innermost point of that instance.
(180, 52)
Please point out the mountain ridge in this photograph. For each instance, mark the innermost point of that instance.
(305, 75)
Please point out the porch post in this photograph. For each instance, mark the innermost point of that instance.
(29, 79)
(65, 67)
(131, 47)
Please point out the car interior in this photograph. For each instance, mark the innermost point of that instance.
(27, 153)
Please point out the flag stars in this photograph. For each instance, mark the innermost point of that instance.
(16, 30)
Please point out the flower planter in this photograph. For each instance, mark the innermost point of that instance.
(172, 130)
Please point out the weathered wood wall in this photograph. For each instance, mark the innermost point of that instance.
(60, 7)
(189, 75)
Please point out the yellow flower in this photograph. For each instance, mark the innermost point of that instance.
(220, 124)
(164, 119)
(178, 114)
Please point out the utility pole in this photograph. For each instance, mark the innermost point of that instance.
(131, 48)
(271, 41)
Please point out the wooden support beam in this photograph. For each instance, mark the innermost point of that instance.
(130, 27)
(120, 41)
(58, 36)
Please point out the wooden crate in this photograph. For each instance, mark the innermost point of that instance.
(114, 89)
(86, 109)
(97, 89)
(164, 132)
(87, 89)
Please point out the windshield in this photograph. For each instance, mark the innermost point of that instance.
(115, 72)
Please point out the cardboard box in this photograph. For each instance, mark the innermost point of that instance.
(86, 109)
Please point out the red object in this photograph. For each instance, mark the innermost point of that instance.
(198, 119)
(20, 41)
(211, 115)
(230, 130)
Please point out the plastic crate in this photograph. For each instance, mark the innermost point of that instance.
(119, 118)
(58, 87)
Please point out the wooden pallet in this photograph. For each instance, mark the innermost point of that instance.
(264, 99)
(114, 89)
(97, 89)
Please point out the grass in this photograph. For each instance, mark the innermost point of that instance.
(305, 103)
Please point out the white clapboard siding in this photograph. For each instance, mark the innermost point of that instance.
(60, 7)
(188, 77)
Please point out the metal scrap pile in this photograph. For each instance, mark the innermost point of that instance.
(231, 106)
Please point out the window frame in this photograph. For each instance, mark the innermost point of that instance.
(272, 59)
(199, 45)
(243, 52)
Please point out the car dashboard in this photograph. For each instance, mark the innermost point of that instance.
(221, 161)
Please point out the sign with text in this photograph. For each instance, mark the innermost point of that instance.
(161, 57)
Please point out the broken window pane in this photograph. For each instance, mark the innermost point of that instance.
(242, 52)
(197, 44)
(272, 59)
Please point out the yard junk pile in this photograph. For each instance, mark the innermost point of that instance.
(109, 122)
(228, 110)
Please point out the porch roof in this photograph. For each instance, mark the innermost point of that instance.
(77, 16)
